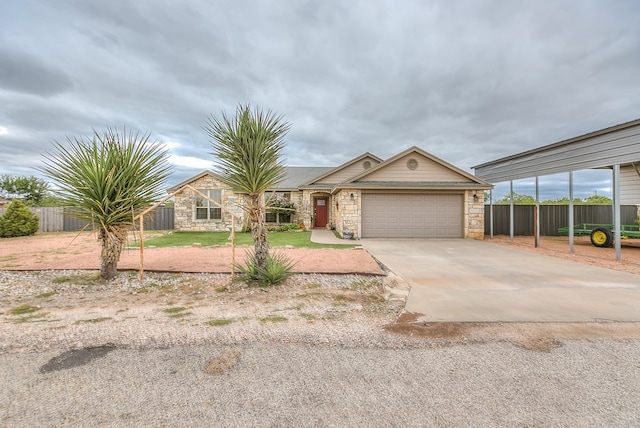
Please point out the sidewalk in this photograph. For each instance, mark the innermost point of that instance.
(321, 235)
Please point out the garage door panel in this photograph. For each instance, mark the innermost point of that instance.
(412, 215)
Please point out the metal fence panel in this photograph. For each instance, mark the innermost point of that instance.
(59, 219)
(160, 218)
(552, 217)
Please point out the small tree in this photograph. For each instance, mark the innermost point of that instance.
(518, 199)
(32, 190)
(18, 221)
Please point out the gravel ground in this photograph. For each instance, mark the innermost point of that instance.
(320, 350)
(581, 384)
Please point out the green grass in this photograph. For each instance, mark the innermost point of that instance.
(93, 320)
(174, 310)
(31, 318)
(210, 239)
(46, 294)
(219, 322)
(274, 318)
(22, 309)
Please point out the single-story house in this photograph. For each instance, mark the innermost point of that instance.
(410, 195)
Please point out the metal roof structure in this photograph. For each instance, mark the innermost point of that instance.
(607, 148)
(616, 145)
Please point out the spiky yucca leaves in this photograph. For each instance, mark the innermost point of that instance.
(108, 180)
(247, 150)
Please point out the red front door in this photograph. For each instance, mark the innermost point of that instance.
(320, 212)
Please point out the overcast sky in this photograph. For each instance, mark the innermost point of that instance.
(468, 81)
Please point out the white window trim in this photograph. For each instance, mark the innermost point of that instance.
(208, 207)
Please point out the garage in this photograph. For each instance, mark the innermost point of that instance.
(412, 215)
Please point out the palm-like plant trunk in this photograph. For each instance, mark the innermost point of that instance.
(112, 239)
(258, 229)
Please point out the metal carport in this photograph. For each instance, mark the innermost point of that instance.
(607, 148)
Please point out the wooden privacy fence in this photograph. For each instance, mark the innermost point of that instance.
(552, 217)
(57, 219)
(50, 219)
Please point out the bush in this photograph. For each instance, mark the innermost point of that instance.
(18, 221)
(277, 270)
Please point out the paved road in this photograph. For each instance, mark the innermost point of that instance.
(467, 280)
(582, 383)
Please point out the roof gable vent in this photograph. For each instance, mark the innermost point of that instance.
(412, 164)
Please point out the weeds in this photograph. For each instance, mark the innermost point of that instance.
(31, 318)
(274, 318)
(93, 320)
(46, 294)
(23, 309)
(219, 322)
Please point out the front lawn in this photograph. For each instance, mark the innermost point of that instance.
(210, 239)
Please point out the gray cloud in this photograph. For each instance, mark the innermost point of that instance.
(468, 81)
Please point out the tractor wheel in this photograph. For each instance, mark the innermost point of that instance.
(601, 237)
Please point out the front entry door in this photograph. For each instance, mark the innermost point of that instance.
(320, 212)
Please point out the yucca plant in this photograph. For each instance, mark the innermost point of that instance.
(276, 270)
(247, 150)
(108, 180)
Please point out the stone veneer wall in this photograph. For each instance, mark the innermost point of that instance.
(299, 216)
(474, 215)
(304, 211)
(347, 215)
(185, 205)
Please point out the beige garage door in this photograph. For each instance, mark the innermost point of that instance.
(411, 215)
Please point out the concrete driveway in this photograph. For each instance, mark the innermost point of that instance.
(463, 280)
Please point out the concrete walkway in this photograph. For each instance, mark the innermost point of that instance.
(462, 280)
(321, 235)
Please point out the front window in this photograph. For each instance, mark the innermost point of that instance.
(281, 208)
(205, 209)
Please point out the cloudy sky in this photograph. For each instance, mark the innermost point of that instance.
(468, 81)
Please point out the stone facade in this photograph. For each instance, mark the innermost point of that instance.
(474, 214)
(185, 208)
(347, 211)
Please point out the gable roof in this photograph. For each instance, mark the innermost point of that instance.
(295, 175)
(190, 179)
(468, 180)
(318, 179)
(610, 146)
(299, 177)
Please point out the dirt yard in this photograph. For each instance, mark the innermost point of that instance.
(50, 297)
(584, 252)
(82, 251)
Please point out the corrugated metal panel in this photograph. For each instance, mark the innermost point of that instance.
(162, 219)
(620, 145)
(629, 185)
(552, 217)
